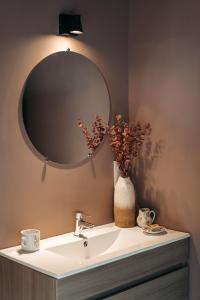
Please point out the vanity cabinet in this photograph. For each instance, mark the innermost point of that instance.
(153, 274)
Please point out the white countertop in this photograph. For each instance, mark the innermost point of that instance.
(121, 243)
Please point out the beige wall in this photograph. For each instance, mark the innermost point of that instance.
(28, 34)
(164, 88)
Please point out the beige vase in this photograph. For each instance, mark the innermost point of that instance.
(124, 203)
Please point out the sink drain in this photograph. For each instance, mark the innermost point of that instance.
(85, 244)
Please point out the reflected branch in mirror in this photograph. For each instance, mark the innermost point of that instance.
(94, 137)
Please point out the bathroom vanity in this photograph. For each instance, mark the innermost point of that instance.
(114, 264)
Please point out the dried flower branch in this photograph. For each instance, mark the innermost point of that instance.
(127, 142)
(95, 136)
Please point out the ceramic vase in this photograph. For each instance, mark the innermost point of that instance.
(116, 172)
(124, 202)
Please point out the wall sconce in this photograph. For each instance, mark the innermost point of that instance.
(70, 25)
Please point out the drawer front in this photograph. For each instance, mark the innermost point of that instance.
(113, 277)
(173, 286)
(18, 282)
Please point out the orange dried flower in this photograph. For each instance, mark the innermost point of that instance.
(127, 142)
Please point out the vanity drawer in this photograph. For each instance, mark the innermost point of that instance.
(111, 278)
(173, 286)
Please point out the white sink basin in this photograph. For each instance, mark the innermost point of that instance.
(65, 255)
(87, 248)
(100, 242)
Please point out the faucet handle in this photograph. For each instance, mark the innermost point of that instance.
(80, 215)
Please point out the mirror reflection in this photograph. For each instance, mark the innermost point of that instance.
(60, 90)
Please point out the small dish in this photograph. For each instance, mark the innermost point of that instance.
(160, 230)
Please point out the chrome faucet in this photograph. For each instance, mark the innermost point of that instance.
(81, 224)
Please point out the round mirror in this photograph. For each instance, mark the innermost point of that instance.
(60, 90)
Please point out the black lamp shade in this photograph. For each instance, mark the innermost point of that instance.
(70, 25)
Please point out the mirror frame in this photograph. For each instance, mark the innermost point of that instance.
(26, 137)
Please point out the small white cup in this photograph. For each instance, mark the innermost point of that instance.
(30, 240)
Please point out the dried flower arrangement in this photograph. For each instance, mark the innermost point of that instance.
(127, 142)
(95, 136)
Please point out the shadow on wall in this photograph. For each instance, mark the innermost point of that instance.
(147, 195)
